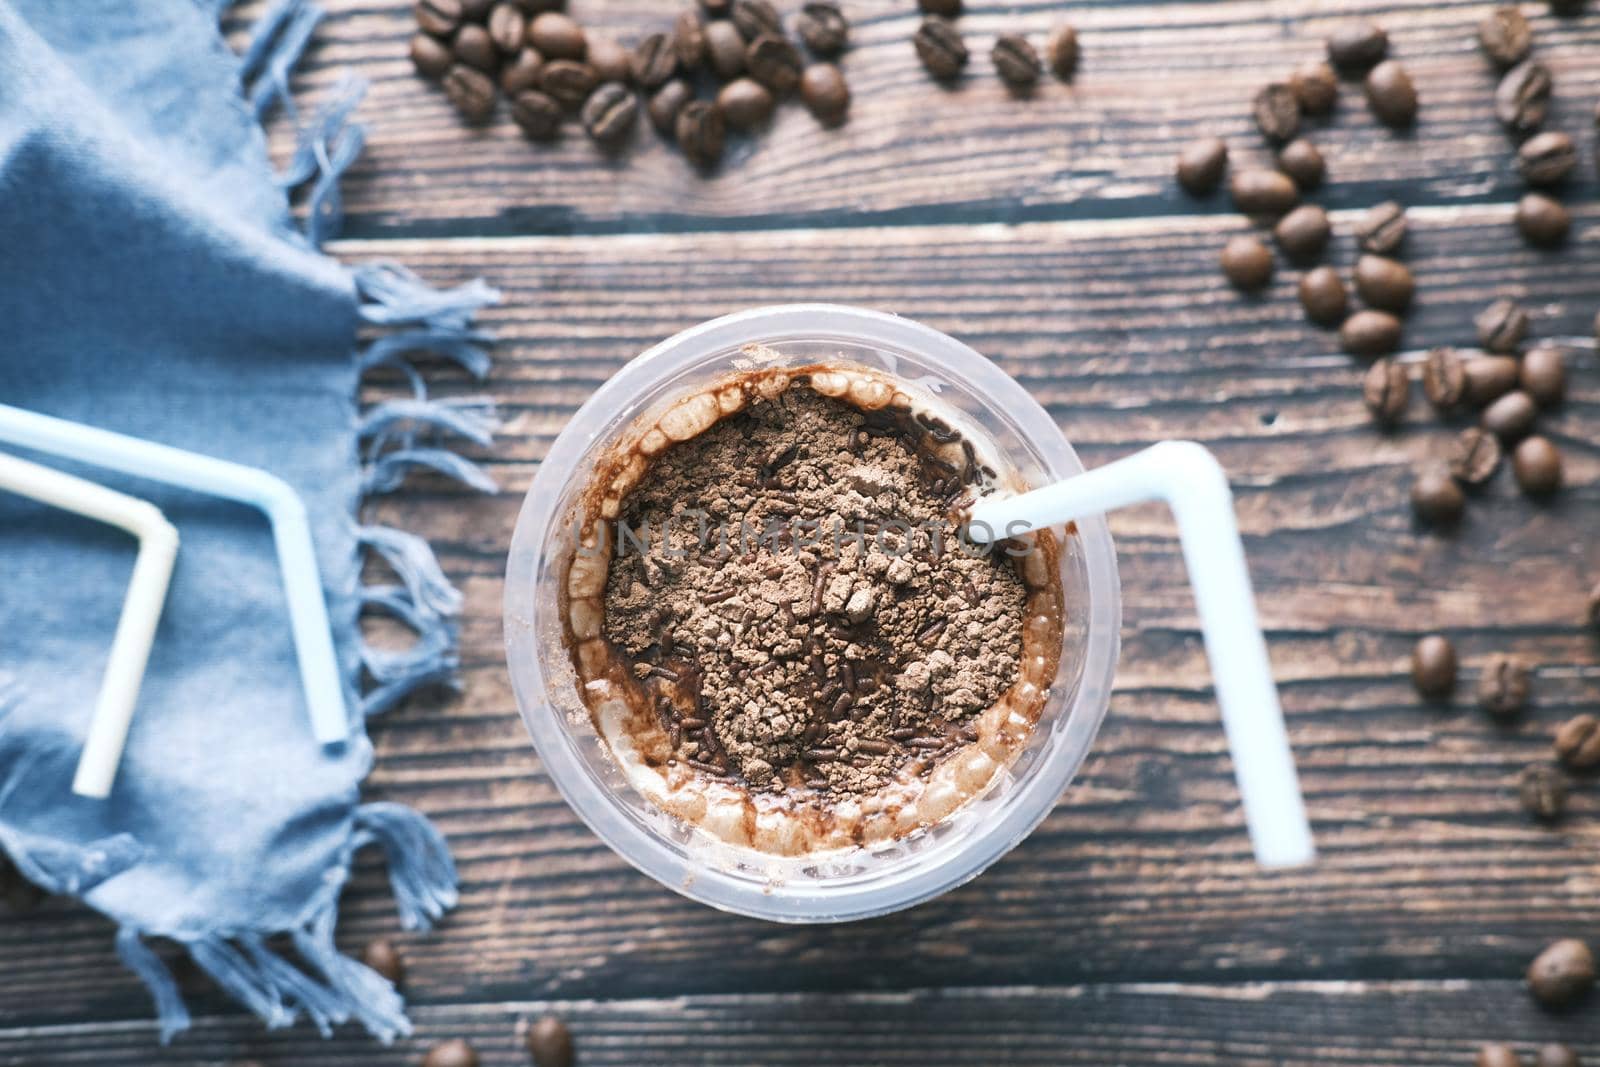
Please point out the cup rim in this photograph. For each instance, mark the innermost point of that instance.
(1030, 801)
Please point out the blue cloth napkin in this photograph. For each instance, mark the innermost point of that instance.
(152, 282)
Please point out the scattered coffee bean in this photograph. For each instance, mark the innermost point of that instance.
(1496, 1055)
(939, 46)
(1277, 112)
(756, 18)
(537, 114)
(1247, 262)
(1556, 1056)
(655, 61)
(567, 82)
(1543, 792)
(1384, 283)
(1315, 86)
(1562, 973)
(1475, 456)
(665, 104)
(1505, 35)
(453, 1053)
(610, 114)
(1016, 61)
(382, 956)
(1578, 742)
(1391, 94)
(1267, 193)
(1382, 229)
(745, 103)
(1433, 666)
(944, 8)
(1543, 221)
(689, 40)
(1501, 326)
(775, 63)
(470, 92)
(1435, 497)
(1370, 333)
(1522, 99)
(557, 36)
(550, 1043)
(1537, 464)
(1303, 233)
(824, 91)
(1386, 390)
(508, 28)
(611, 61)
(1358, 46)
(1503, 686)
(1444, 378)
(521, 73)
(1301, 161)
(1512, 416)
(1064, 53)
(430, 56)
(1544, 375)
(474, 47)
(1322, 294)
(725, 50)
(438, 17)
(1201, 164)
(1547, 158)
(823, 27)
(701, 132)
(1489, 378)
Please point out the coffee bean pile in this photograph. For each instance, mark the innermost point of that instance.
(722, 67)
(944, 53)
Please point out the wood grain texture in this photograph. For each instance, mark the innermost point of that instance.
(1154, 75)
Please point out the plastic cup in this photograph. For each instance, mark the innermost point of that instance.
(834, 886)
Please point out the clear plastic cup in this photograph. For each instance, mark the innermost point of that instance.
(835, 886)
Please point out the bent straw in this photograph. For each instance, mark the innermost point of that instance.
(141, 608)
(1191, 482)
(308, 613)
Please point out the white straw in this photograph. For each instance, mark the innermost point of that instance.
(1191, 481)
(308, 613)
(141, 608)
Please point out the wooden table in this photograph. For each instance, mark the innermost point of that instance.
(1132, 927)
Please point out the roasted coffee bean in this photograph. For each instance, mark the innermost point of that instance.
(1503, 686)
(568, 82)
(1444, 378)
(508, 28)
(1475, 456)
(701, 132)
(1391, 94)
(725, 50)
(745, 103)
(1384, 283)
(537, 114)
(1382, 229)
(1247, 262)
(823, 27)
(1543, 375)
(550, 1043)
(665, 104)
(939, 46)
(1303, 233)
(1016, 61)
(1562, 973)
(1505, 35)
(1322, 294)
(521, 73)
(1501, 326)
(1489, 378)
(1547, 158)
(1267, 193)
(1496, 1055)
(1578, 742)
(1370, 333)
(382, 956)
(1315, 86)
(610, 114)
(756, 18)
(438, 17)
(1063, 53)
(1358, 46)
(1277, 112)
(453, 1053)
(611, 61)
(943, 8)
(1433, 666)
(825, 93)
(1522, 99)
(430, 56)
(1537, 464)
(1435, 498)
(470, 92)
(557, 36)
(1201, 164)
(474, 47)
(1512, 416)
(1386, 390)
(1543, 792)
(655, 61)
(689, 40)
(1301, 161)
(1556, 1056)
(1543, 221)
(775, 63)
